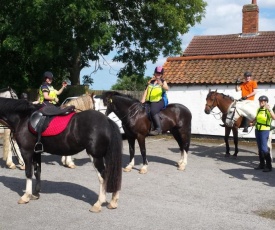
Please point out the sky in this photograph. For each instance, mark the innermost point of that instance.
(222, 17)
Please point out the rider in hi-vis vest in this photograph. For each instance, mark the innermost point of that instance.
(262, 129)
(153, 95)
(47, 93)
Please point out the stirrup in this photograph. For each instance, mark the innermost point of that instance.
(155, 133)
(38, 148)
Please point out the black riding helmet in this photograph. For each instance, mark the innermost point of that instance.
(48, 74)
(247, 74)
(263, 98)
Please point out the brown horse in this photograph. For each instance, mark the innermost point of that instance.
(136, 124)
(223, 102)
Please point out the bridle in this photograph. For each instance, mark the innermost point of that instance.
(213, 102)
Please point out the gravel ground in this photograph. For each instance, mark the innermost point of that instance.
(213, 192)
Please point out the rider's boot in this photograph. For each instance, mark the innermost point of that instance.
(268, 167)
(262, 162)
(245, 129)
(158, 130)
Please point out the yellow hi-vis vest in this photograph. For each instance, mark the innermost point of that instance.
(154, 93)
(51, 94)
(263, 119)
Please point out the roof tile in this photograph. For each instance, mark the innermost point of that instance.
(221, 59)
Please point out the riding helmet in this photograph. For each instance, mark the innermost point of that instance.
(48, 74)
(159, 69)
(247, 74)
(263, 98)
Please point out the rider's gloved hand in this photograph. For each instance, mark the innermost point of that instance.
(244, 98)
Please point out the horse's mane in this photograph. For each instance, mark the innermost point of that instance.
(82, 103)
(115, 93)
(223, 95)
(21, 106)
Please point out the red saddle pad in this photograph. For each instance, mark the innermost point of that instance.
(57, 125)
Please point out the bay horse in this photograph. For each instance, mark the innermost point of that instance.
(136, 124)
(223, 102)
(9, 144)
(90, 130)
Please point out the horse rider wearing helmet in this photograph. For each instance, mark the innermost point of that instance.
(153, 95)
(262, 129)
(248, 88)
(47, 93)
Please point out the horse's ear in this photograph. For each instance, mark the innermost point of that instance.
(209, 90)
(216, 90)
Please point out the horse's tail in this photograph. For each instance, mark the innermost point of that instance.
(113, 160)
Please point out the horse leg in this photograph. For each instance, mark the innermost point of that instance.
(141, 142)
(235, 137)
(114, 202)
(68, 162)
(269, 145)
(7, 153)
(19, 156)
(226, 140)
(28, 171)
(37, 173)
(131, 142)
(98, 164)
(181, 137)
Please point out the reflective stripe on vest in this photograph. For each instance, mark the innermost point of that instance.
(52, 94)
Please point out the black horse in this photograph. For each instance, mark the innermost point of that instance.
(176, 118)
(90, 130)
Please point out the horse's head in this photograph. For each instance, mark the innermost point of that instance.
(8, 93)
(211, 101)
(239, 109)
(108, 101)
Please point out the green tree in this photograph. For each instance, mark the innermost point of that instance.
(63, 36)
(131, 83)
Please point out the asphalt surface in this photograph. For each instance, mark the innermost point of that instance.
(213, 192)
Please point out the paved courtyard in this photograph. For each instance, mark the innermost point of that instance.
(213, 193)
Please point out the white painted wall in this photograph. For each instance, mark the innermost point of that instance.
(194, 98)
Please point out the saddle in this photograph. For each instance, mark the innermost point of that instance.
(40, 120)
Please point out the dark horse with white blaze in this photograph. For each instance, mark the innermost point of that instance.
(136, 124)
(90, 130)
(223, 102)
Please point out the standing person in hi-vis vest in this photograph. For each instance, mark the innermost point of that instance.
(262, 128)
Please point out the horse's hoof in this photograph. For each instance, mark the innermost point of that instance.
(21, 201)
(181, 167)
(95, 209)
(35, 196)
(127, 169)
(22, 167)
(143, 171)
(112, 206)
(71, 166)
(11, 166)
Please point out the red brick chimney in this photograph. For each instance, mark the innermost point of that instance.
(250, 18)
